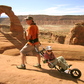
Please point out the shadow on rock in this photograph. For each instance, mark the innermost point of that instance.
(2, 83)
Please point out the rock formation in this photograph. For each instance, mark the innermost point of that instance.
(15, 25)
(60, 39)
(76, 35)
(53, 37)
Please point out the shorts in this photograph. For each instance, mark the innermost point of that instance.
(27, 49)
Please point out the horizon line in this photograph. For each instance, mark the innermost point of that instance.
(4, 16)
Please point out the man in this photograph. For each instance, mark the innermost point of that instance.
(32, 37)
(60, 61)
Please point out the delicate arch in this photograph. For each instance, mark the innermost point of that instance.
(15, 25)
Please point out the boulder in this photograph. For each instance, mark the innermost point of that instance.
(76, 35)
(60, 39)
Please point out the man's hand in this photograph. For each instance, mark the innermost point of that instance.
(45, 61)
(25, 36)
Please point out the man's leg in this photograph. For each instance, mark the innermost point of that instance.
(38, 58)
(62, 63)
(23, 60)
(27, 48)
(38, 65)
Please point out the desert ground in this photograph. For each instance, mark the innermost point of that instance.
(9, 74)
(10, 58)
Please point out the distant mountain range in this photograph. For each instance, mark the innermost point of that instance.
(48, 20)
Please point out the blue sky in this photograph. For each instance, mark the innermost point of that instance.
(48, 7)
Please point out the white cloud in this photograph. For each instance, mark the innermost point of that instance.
(64, 10)
(75, 10)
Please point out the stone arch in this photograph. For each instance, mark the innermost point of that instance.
(15, 25)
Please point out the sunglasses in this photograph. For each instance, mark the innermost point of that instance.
(49, 50)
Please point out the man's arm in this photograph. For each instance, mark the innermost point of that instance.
(29, 33)
(28, 36)
(45, 58)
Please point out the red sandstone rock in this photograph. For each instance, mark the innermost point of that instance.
(76, 35)
(15, 25)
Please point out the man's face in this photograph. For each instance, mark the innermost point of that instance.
(49, 51)
(29, 22)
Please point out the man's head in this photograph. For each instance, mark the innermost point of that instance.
(49, 49)
(29, 20)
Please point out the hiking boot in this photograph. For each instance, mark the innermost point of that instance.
(37, 66)
(22, 66)
(62, 70)
(67, 71)
(70, 65)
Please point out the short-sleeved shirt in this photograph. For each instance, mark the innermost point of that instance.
(49, 57)
(33, 31)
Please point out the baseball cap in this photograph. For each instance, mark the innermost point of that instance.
(48, 48)
(29, 18)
